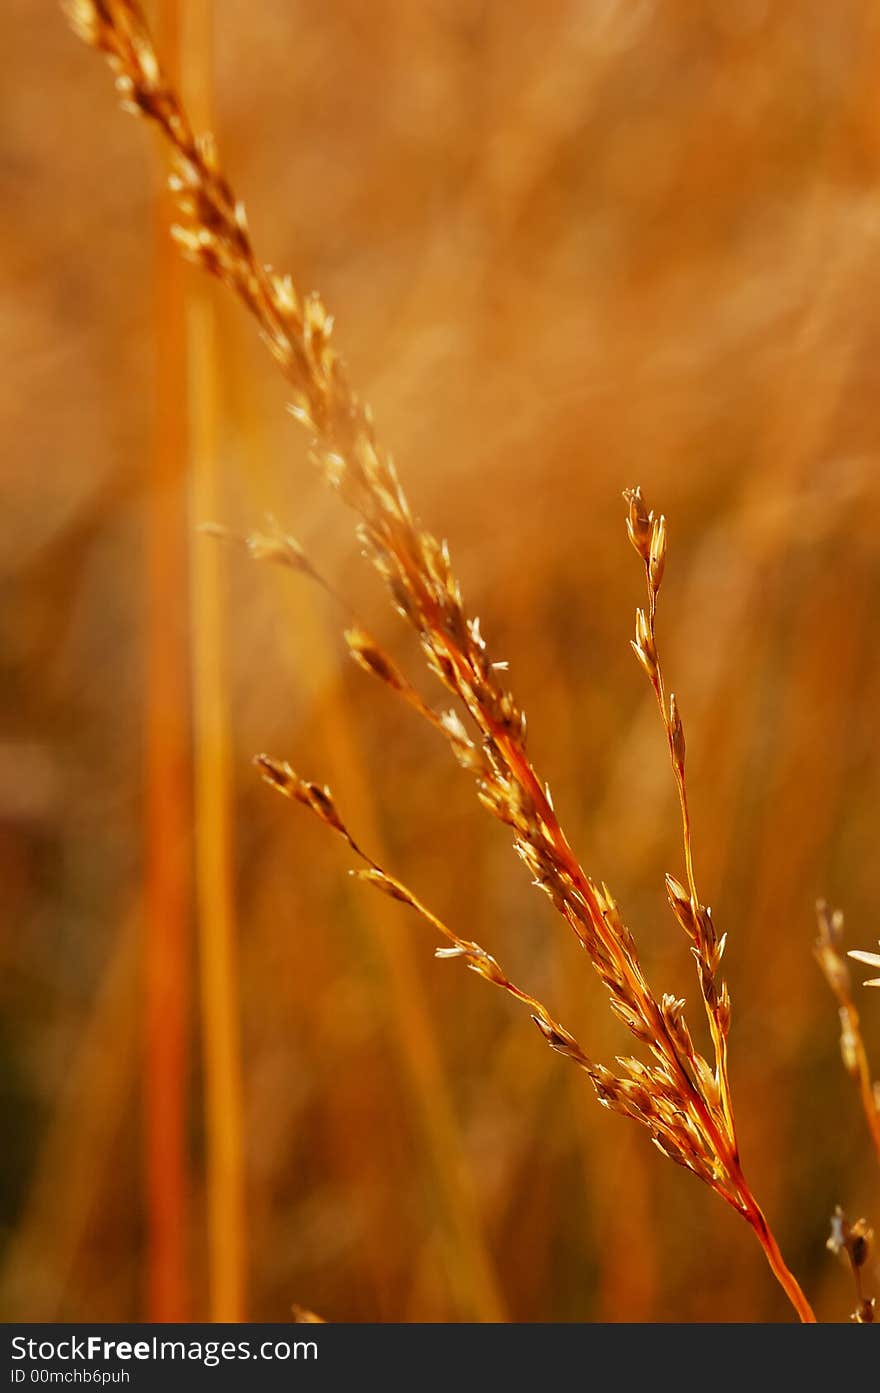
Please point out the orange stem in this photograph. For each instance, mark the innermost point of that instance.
(784, 1276)
(167, 793)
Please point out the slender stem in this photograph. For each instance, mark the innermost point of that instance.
(719, 1040)
(720, 1043)
(862, 1071)
(746, 1205)
(867, 1095)
(725, 1143)
(830, 956)
(784, 1276)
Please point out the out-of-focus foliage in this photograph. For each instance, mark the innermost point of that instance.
(570, 247)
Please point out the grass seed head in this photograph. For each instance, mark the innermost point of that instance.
(638, 522)
(677, 1097)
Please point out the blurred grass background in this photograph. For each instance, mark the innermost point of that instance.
(570, 246)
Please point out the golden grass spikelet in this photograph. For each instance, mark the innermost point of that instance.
(639, 522)
(369, 656)
(274, 545)
(312, 796)
(680, 903)
(657, 555)
(373, 659)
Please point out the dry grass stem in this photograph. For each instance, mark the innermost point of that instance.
(168, 971)
(681, 1098)
(276, 546)
(831, 958)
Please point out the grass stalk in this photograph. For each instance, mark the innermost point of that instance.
(213, 814)
(832, 959)
(676, 1095)
(167, 785)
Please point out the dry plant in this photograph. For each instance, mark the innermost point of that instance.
(851, 1242)
(682, 1098)
(168, 808)
(831, 957)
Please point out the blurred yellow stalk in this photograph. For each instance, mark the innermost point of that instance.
(213, 802)
(167, 782)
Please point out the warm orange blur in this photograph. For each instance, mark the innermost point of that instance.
(571, 246)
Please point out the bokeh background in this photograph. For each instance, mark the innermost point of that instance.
(571, 246)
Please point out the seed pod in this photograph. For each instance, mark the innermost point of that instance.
(708, 987)
(680, 902)
(650, 668)
(707, 936)
(644, 637)
(676, 734)
(722, 1010)
(368, 655)
(386, 884)
(558, 1039)
(321, 802)
(657, 553)
(638, 522)
(643, 645)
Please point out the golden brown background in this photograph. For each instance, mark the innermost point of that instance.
(571, 245)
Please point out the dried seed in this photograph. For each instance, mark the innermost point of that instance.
(657, 553)
(638, 522)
